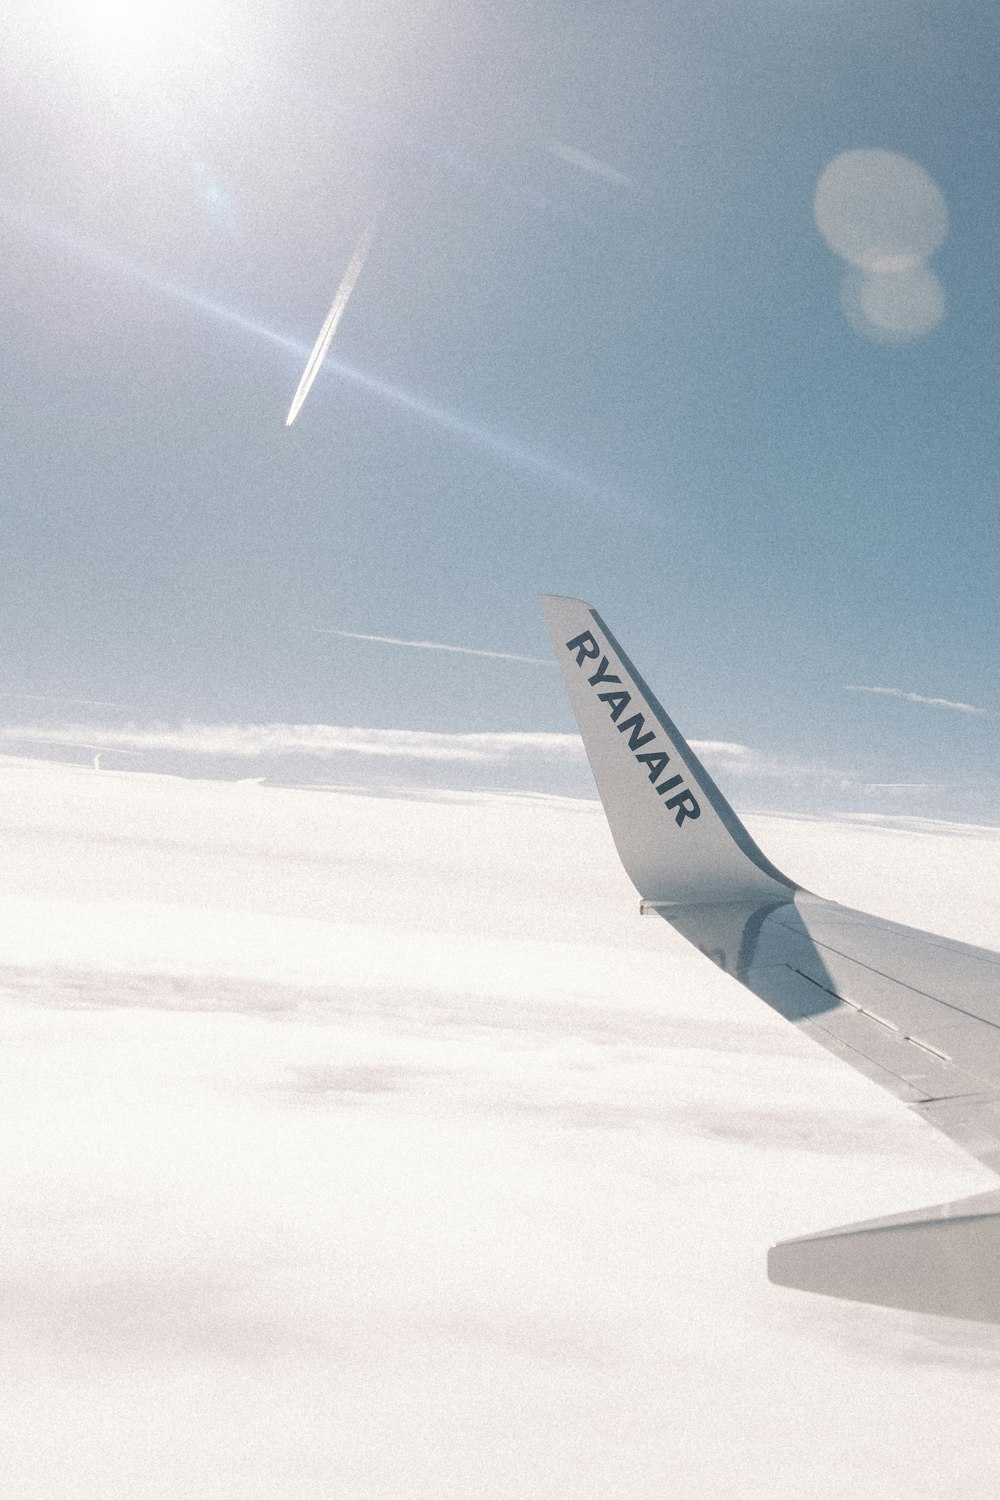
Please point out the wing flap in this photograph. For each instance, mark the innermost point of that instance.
(919, 1048)
(866, 1066)
(928, 1074)
(972, 1122)
(969, 1045)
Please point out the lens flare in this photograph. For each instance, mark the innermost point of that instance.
(474, 434)
(885, 216)
(893, 307)
(879, 211)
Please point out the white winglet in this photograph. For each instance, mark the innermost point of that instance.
(917, 1013)
(678, 838)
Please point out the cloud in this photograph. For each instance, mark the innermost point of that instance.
(322, 740)
(52, 698)
(743, 760)
(331, 741)
(904, 786)
(534, 760)
(584, 162)
(511, 1158)
(393, 640)
(892, 692)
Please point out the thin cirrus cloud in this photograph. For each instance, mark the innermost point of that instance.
(393, 640)
(904, 786)
(248, 741)
(893, 692)
(330, 742)
(53, 698)
(584, 162)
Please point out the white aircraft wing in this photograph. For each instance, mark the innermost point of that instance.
(919, 1014)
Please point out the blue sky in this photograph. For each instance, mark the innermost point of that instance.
(549, 379)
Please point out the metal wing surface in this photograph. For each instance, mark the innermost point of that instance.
(918, 1013)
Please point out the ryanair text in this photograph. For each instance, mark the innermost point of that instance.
(641, 741)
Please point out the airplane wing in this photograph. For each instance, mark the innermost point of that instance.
(919, 1014)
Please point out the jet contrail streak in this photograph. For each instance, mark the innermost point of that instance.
(474, 433)
(392, 640)
(333, 317)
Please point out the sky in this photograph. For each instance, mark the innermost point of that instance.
(638, 324)
(368, 1145)
(359, 1136)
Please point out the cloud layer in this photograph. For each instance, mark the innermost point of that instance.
(523, 760)
(250, 741)
(329, 741)
(355, 1145)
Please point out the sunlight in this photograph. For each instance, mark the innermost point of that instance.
(476, 434)
(127, 32)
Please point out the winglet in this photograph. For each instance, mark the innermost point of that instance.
(678, 838)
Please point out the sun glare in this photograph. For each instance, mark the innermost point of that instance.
(885, 217)
(124, 33)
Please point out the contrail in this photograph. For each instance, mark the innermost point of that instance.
(508, 450)
(392, 640)
(333, 317)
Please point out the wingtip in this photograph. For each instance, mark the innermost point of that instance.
(544, 599)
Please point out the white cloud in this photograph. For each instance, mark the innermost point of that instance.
(50, 698)
(743, 760)
(392, 640)
(249, 741)
(393, 1119)
(584, 162)
(727, 750)
(332, 742)
(903, 786)
(894, 692)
